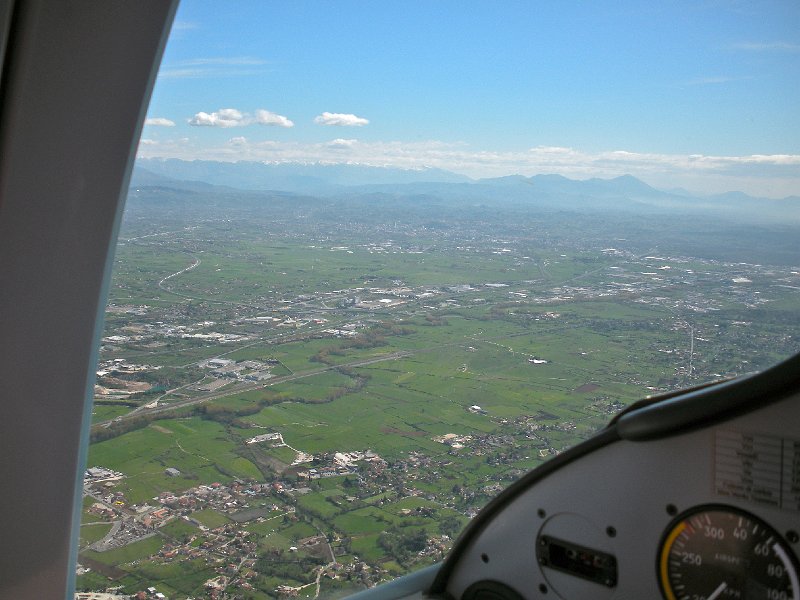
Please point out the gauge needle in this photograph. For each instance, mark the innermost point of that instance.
(715, 594)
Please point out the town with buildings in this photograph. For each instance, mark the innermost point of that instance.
(310, 409)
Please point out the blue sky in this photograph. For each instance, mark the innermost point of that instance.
(702, 95)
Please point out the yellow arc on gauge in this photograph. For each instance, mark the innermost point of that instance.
(665, 550)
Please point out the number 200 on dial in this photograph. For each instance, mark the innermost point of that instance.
(723, 553)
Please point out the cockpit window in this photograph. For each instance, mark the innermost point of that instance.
(378, 261)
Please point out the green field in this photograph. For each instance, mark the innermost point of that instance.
(550, 336)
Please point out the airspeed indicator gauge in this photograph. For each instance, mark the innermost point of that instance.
(718, 553)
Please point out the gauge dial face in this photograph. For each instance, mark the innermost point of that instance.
(721, 553)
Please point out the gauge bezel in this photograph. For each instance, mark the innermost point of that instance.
(661, 569)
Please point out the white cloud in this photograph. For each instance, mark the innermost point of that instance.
(206, 72)
(222, 60)
(224, 117)
(159, 122)
(166, 73)
(767, 46)
(148, 142)
(184, 25)
(551, 150)
(231, 117)
(774, 175)
(342, 144)
(711, 80)
(340, 119)
(215, 66)
(265, 117)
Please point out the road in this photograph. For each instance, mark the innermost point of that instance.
(194, 264)
(247, 387)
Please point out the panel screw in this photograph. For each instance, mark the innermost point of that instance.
(541, 513)
(542, 588)
(672, 510)
(485, 558)
(611, 532)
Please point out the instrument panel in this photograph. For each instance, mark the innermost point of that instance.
(718, 551)
(712, 514)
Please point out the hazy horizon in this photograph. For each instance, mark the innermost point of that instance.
(142, 162)
(700, 97)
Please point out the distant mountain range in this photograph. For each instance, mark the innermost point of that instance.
(292, 177)
(550, 192)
